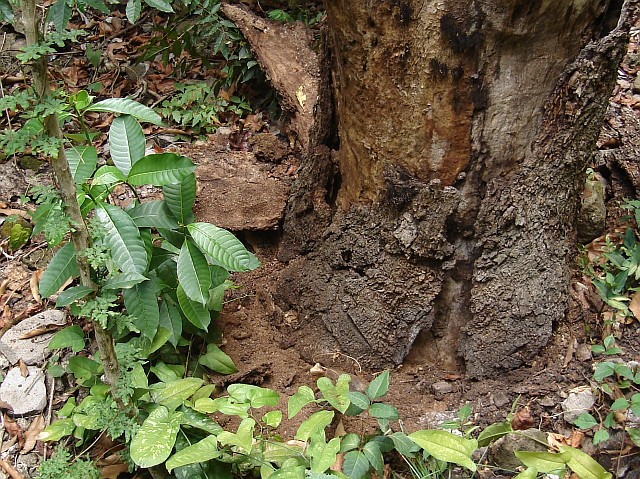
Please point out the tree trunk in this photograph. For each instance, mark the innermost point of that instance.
(447, 214)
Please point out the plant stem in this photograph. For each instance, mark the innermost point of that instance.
(67, 188)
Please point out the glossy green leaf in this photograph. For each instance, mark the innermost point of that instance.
(355, 465)
(199, 420)
(6, 12)
(160, 169)
(338, 395)
(180, 198)
(84, 369)
(403, 444)
(70, 295)
(161, 5)
(69, 337)
(196, 313)
(303, 396)
(272, 418)
(258, 397)
(243, 438)
(82, 162)
(289, 472)
(384, 411)
(314, 424)
(544, 462)
(528, 473)
(133, 9)
(153, 214)
(59, 14)
(359, 400)
(172, 394)
(447, 447)
(371, 451)
(126, 106)
(193, 273)
(225, 405)
(201, 451)
(171, 320)
(493, 432)
(124, 281)
(217, 360)
(126, 142)
(142, 305)
(218, 275)
(584, 465)
(379, 386)
(349, 442)
(61, 267)
(122, 237)
(224, 248)
(57, 430)
(154, 441)
(323, 455)
(215, 301)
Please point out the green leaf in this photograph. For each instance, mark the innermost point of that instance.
(69, 337)
(82, 162)
(585, 421)
(62, 267)
(619, 404)
(142, 304)
(528, 473)
(107, 175)
(180, 198)
(314, 424)
(258, 397)
(447, 447)
(544, 462)
(154, 441)
(272, 418)
(57, 430)
(198, 420)
(161, 5)
(379, 386)
(372, 452)
(599, 436)
(127, 107)
(338, 395)
(603, 370)
(59, 14)
(70, 295)
(174, 393)
(153, 214)
(634, 434)
(303, 396)
(243, 438)
(193, 273)
(584, 465)
(403, 444)
(123, 239)
(126, 141)
(170, 319)
(224, 248)
(197, 314)
(350, 442)
(124, 281)
(225, 405)
(384, 411)
(217, 361)
(493, 432)
(359, 400)
(355, 465)
(83, 369)
(323, 455)
(6, 12)
(134, 7)
(160, 169)
(201, 451)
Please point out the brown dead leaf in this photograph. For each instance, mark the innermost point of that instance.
(40, 331)
(35, 428)
(522, 419)
(554, 440)
(13, 429)
(576, 439)
(9, 469)
(634, 305)
(24, 370)
(113, 471)
(33, 284)
(337, 466)
(6, 445)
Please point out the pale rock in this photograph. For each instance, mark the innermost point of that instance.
(24, 395)
(441, 387)
(579, 401)
(501, 452)
(31, 350)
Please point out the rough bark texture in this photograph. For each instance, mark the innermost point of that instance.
(449, 209)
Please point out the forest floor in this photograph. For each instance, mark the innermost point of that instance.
(243, 186)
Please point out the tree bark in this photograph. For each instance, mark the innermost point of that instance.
(448, 212)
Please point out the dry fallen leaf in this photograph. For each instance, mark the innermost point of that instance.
(113, 471)
(24, 370)
(35, 428)
(33, 284)
(13, 429)
(9, 469)
(522, 419)
(634, 305)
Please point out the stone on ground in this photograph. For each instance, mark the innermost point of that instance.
(30, 350)
(580, 401)
(25, 395)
